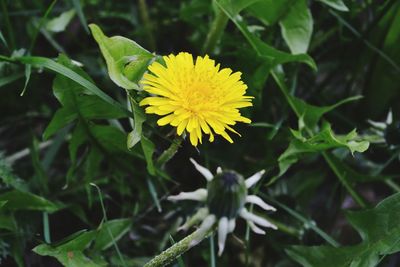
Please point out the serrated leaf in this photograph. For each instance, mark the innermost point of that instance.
(111, 232)
(126, 60)
(323, 140)
(18, 200)
(297, 27)
(379, 229)
(70, 251)
(336, 4)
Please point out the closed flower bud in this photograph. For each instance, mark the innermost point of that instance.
(226, 194)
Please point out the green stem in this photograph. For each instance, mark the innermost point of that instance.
(357, 198)
(216, 30)
(168, 256)
(147, 24)
(170, 152)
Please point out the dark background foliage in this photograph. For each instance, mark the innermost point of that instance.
(357, 53)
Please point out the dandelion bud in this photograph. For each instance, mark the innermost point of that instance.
(226, 194)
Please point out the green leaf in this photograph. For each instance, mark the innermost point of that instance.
(60, 23)
(18, 200)
(67, 72)
(148, 150)
(310, 114)
(269, 12)
(265, 51)
(77, 101)
(126, 60)
(139, 117)
(2, 203)
(111, 138)
(111, 232)
(297, 27)
(336, 4)
(323, 140)
(69, 252)
(380, 233)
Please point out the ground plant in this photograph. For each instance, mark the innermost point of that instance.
(200, 133)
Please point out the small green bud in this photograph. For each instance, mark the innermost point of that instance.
(392, 134)
(226, 194)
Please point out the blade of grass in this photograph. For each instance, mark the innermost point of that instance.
(105, 220)
(78, 8)
(3, 39)
(61, 69)
(366, 42)
(40, 25)
(308, 223)
(9, 28)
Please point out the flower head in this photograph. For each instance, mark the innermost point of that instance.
(196, 96)
(225, 199)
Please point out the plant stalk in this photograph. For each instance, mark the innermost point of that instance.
(172, 253)
(216, 30)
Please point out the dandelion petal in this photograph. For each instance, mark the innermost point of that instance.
(203, 170)
(223, 229)
(198, 195)
(252, 180)
(259, 202)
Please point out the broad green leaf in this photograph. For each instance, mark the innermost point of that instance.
(111, 232)
(270, 12)
(297, 27)
(310, 114)
(110, 138)
(77, 101)
(148, 150)
(61, 118)
(126, 60)
(139, 117)
(2, 203)
(379, 229)
(336, 4)
(323, 140)
(265, 51)
(61, 22)
(18, 200)
(70, 251)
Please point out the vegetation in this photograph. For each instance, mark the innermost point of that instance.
(89, 175)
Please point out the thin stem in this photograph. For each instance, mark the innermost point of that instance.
(147, 24)
(168, 256)
(170, 152)
(357, 198)
(216, 30)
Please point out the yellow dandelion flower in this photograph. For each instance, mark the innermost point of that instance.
(195, 96)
